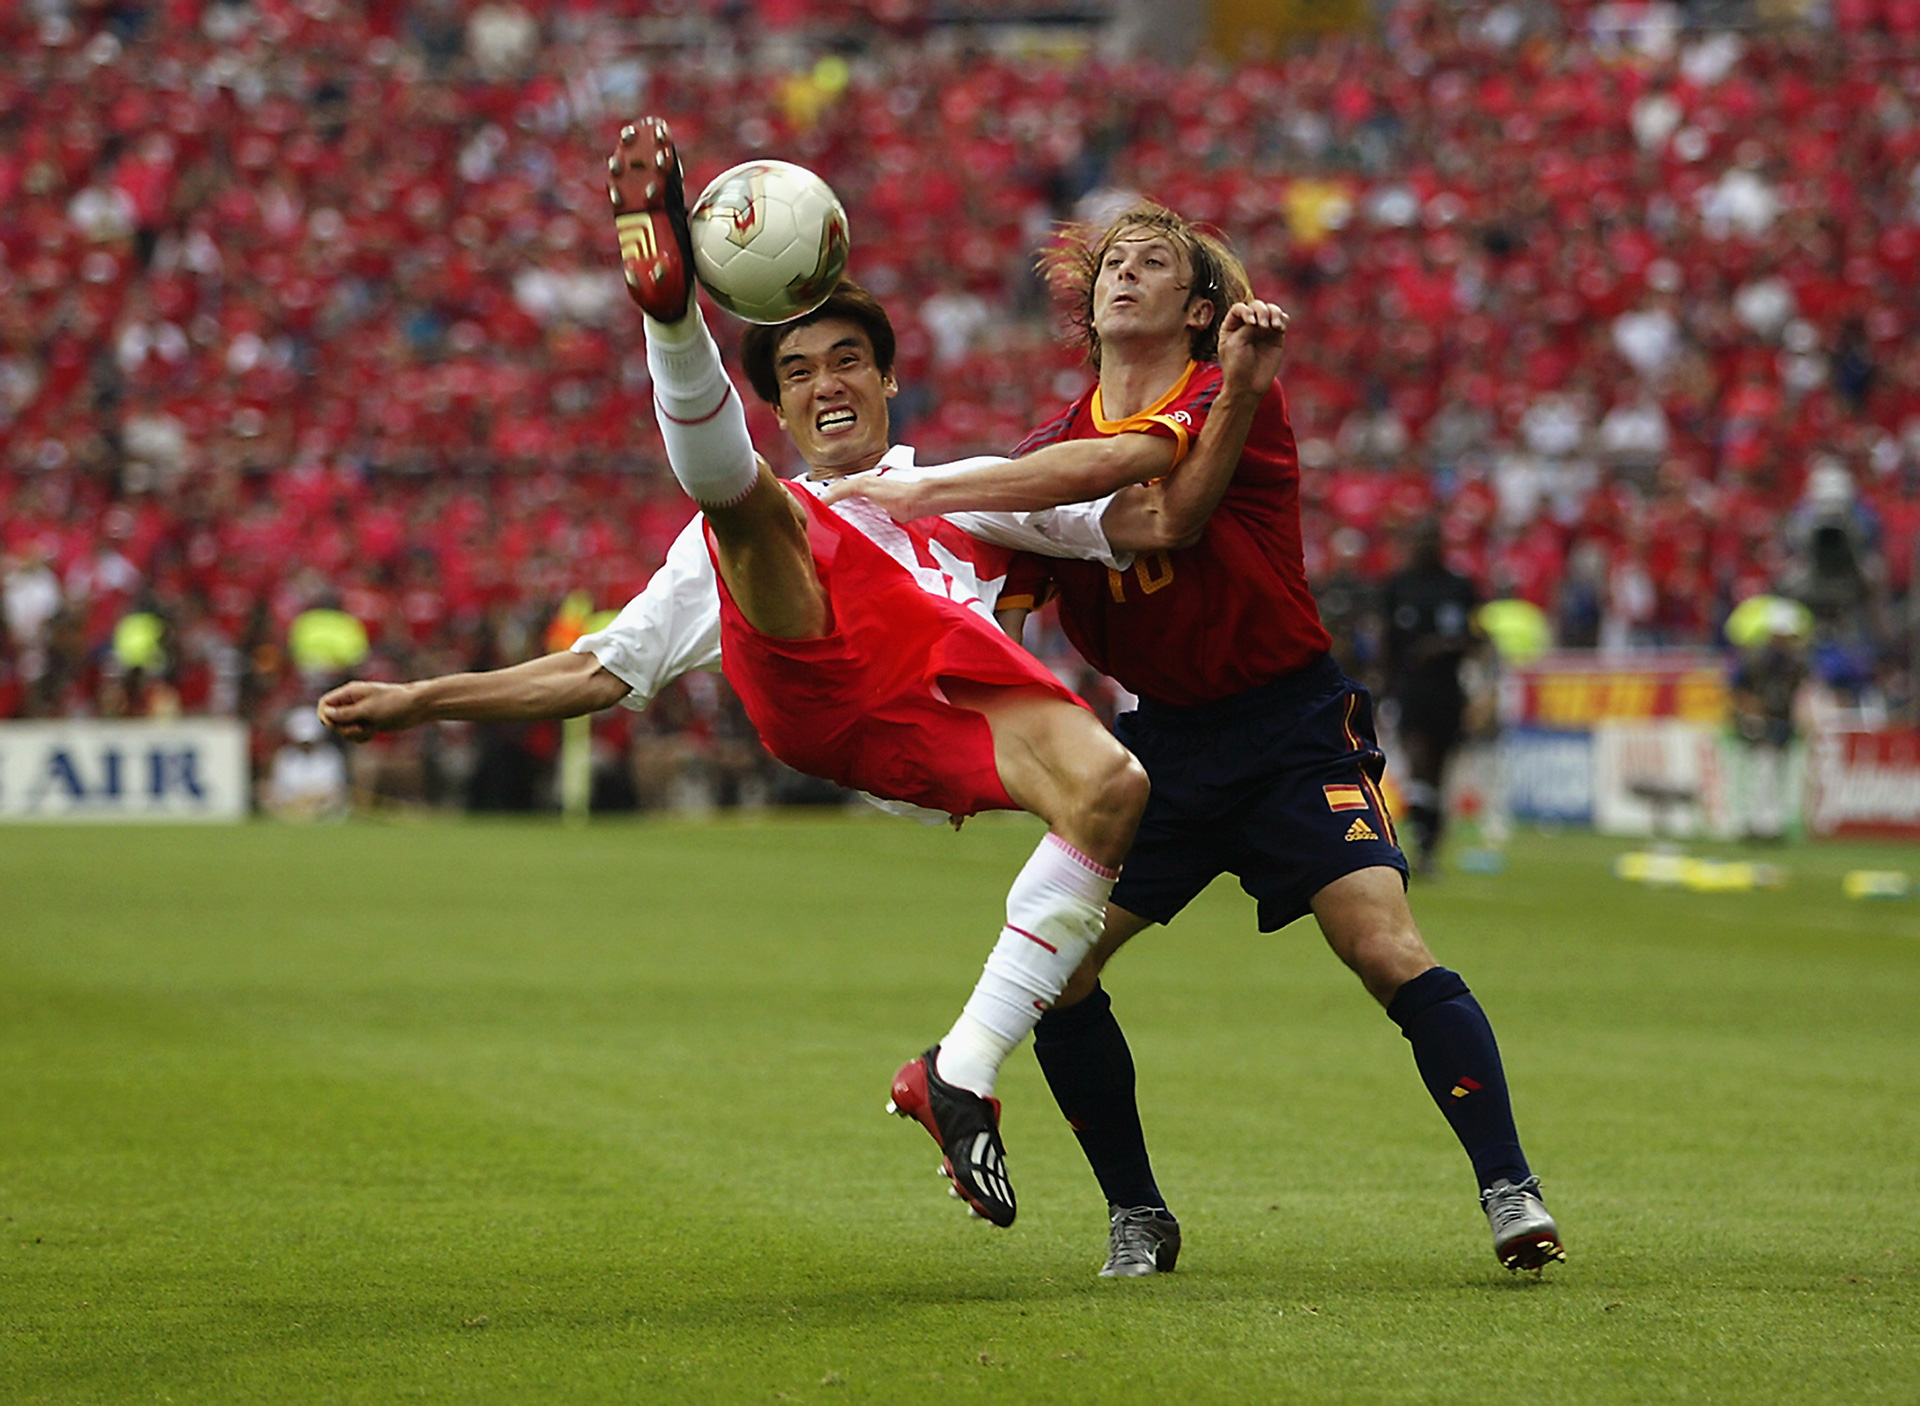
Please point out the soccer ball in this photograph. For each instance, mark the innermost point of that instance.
(769, 240)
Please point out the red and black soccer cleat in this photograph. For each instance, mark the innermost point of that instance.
(650, 216)
(967, 1127)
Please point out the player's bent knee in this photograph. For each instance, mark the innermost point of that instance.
(1384, 955)
(1108, 776)
(1126, 788)
(1111, 798)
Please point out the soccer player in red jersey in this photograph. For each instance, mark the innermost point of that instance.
(1260, 750)
(863, 653)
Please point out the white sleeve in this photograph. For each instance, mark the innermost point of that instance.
(670, 628)
(1071, 530)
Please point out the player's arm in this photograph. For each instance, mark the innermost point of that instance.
(1028, 585)
(1074, 471)
(1173, 512)
(563, 685)
(671, 627)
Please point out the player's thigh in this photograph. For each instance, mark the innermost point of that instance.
(1059, 763)
(761, 547)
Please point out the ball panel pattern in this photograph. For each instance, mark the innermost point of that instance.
(769, 240)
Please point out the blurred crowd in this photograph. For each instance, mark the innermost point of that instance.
(307, 303)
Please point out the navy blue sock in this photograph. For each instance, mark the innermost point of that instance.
(1090, 1070)
(1454, 1048)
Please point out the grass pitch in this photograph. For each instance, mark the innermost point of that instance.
(510, 1112)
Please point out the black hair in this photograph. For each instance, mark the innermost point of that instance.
(760, 346)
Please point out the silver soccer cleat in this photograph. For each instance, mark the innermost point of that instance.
(1141, 1240)
(1524, 1233)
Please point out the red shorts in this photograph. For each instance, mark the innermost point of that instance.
(860, 705)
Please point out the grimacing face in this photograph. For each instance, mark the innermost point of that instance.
(1143, 290)
(833, 396)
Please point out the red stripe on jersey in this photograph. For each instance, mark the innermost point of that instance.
(1052, 432)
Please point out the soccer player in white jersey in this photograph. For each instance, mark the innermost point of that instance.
(864, 651)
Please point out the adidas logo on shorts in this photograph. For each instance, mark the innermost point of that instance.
(1360, 830)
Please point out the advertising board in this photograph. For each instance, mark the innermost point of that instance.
(136, 769)
(1865, 783)
(1548, 775)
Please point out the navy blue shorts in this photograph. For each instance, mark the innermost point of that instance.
(1278, 786)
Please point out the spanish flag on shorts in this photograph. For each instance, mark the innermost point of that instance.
(1345, 798)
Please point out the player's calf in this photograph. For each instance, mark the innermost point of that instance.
(1055, 910)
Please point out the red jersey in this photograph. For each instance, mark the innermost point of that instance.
(862, 705)
(1208, 621)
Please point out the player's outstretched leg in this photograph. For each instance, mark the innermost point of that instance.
(701, 418)
(1056, 762)
(760, 533)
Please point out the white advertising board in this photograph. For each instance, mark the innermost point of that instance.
(138, 769)
(1661, 777)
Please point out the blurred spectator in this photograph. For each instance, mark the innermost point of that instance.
(1836, 562)
(1767, 688)
(1428, 614)
(308, 779)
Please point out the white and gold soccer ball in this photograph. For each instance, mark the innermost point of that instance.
(769, 240)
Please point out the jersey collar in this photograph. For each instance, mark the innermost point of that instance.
(899, 456)
(1106, 426)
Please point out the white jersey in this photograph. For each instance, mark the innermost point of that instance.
(673, 626)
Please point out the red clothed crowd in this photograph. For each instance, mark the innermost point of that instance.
(305, 302)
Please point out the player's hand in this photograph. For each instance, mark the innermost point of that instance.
(1253, 339)
(897, 498)
(359, 709)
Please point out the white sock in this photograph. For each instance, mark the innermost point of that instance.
(700, 414)
(1055, 911)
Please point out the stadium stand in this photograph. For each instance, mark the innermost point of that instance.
(307, 303)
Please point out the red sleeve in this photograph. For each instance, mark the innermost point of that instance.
(1029, 583)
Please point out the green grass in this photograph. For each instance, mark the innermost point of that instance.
(510, 1112)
